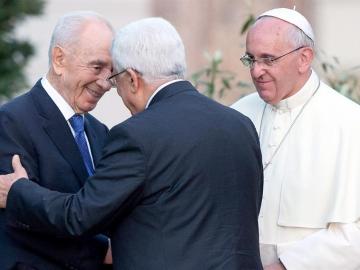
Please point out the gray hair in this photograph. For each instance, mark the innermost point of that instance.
(151, 46)
(68, 27)
(299, 38)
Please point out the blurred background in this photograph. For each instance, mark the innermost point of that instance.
(211, 31)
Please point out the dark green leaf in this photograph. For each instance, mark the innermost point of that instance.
(249, 21)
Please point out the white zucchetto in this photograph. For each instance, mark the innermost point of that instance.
(293, 17)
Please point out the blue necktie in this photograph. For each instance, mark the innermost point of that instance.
(77, 123)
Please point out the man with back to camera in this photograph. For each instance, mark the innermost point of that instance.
(179, 184)
(39, 126)
(309, 136)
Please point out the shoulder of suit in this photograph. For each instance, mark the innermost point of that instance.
(17, 104)
(23, 102)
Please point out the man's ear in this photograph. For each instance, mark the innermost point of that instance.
(306, 58)
(135, 80)
(58, 60)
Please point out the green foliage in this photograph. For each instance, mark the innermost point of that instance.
(212, 79)
(345, 81)
(246, 25)
(14, 53)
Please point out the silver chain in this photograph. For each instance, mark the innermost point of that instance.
(289, 129)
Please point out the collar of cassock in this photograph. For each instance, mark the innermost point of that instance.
(301, 96)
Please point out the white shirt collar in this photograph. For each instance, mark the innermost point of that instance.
(59, 101)
(301, 96)
(160, 88)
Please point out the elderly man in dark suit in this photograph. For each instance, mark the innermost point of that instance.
(38, 126)
(179, 184)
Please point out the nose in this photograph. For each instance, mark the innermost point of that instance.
(103, 81)
(104, 84)
(106, 73)
(257, 70)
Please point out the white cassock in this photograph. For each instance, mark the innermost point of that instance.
(310, 213)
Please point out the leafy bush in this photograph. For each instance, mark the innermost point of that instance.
(14, 53)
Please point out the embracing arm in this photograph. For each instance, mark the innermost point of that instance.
(86, 253)
(115, 188)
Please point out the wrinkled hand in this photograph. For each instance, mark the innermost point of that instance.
(7, 180)
(275, 266)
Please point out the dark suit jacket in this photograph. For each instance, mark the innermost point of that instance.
(32, 126)
(179, 185)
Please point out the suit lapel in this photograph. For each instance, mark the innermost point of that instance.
(58, 130)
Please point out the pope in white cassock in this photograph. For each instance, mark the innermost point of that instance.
(310, 140)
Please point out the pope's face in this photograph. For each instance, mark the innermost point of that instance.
(269, 38)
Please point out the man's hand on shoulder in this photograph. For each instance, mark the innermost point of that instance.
(7, 180)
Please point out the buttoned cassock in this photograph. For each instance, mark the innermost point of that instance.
(311, 205)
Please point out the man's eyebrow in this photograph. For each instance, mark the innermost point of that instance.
(267, 55)
(263, 55)
(97, 62)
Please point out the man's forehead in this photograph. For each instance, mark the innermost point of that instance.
(95, 35)
(270, 24)
(267, 38)
(268, 30)
(92, 56)
(93, 49)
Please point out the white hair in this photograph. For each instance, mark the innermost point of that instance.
(151, 46)
(68, 27)
(299, 38)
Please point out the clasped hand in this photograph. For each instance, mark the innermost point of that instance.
(7, 180)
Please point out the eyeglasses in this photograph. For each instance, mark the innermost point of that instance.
(112, 79)
(249, 60)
